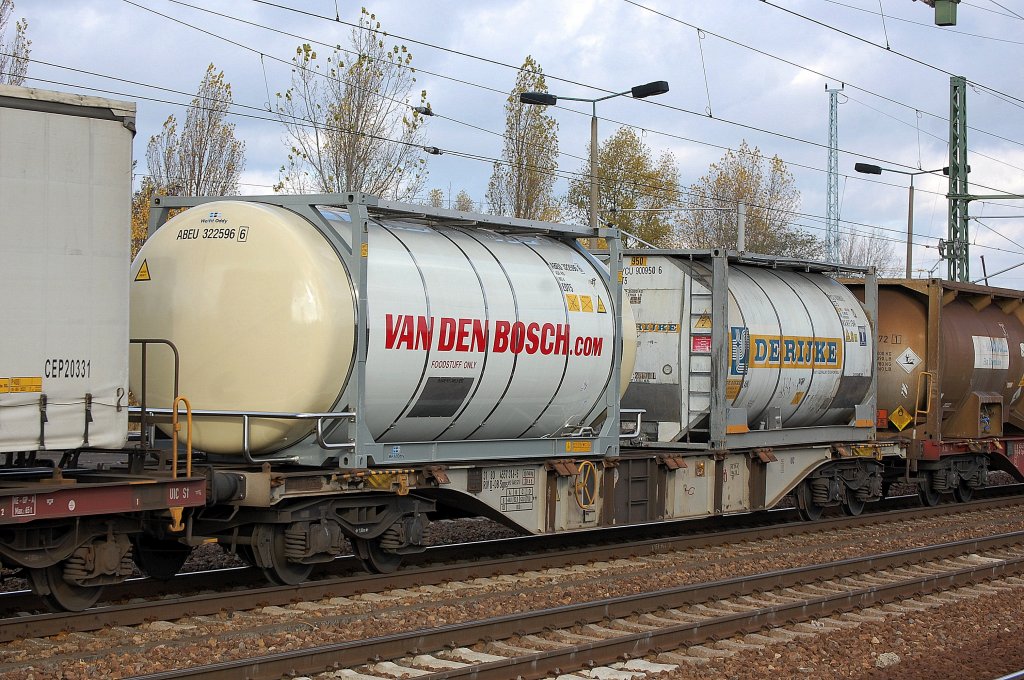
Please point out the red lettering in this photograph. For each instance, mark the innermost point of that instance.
(401, 332)
(446, 337)
(405, 335)
(501, 331)
(518, 337)
(461, 344)
(479, 336)
(424, 331)
(532, 338)
(561, 339)
(390, 331)
(588, 346)
(546, 344)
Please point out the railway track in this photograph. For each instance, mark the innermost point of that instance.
(440, 565)
(669, 623)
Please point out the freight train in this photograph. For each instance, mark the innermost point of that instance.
(313, 374)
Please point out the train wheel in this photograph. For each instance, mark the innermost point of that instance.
(61, 595)
(268, 541)
(246, 554)
(963, 493)
(929, 496)
(808, 509)
(160, 559)
(852, 505)
(375, 559)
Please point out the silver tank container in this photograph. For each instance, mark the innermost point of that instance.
(798, 349)
(472, 335)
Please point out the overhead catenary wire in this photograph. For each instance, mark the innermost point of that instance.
(802, 67)
(579, 174)
(548, 76)
(259, 113)
(605, 90)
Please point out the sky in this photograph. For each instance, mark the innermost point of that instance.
(737, 69)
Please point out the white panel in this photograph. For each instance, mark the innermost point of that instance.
(590, 328)
(495, 368)
(991, 353)
(65, 190)
(402, 329)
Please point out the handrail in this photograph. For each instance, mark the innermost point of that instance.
(177, 512)
(145, 342)
(639, 416)
(247, 416)
(176, 427)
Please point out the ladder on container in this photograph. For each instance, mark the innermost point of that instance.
(700, 323)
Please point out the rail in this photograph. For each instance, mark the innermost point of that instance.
(436, 566)
(248, 416)
(826, 594)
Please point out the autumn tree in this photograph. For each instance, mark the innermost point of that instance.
(630, 179)
(464, 202)
(141, 200)
(205, 159)
(348, 122)
(13, 54)
(767, 188)
(870, 250)
(436, 198)
(522, 182)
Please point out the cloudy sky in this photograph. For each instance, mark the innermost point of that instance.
(738, 70)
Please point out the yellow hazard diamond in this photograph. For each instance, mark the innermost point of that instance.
(573, 301)
(900, 418)
(587, 303)
(602, 310)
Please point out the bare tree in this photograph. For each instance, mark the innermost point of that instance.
(870, 250)
(349, 125)
(522, 183)
(14, 54)
(206, 159)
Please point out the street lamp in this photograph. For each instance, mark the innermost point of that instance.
(869, 169)
(639, 92)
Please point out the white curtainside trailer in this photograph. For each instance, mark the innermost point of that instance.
(64, 301)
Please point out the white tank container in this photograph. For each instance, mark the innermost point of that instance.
(800, 346)
(472, 334)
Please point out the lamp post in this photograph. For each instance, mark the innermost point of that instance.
(869, 169)
(639, 92)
